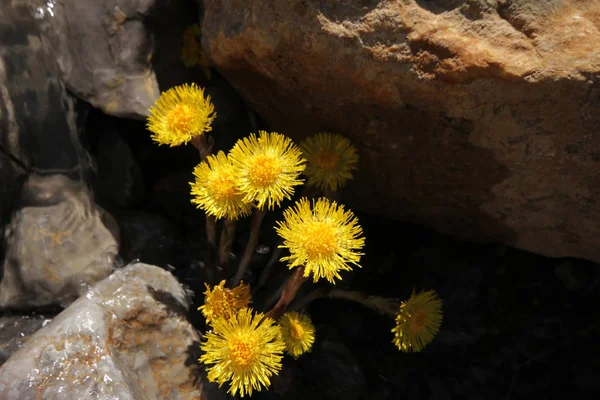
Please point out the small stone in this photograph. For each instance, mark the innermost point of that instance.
(263, 249)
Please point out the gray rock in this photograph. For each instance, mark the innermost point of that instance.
(37, 116)
(104, 51)
(127, 338)
(59, 243)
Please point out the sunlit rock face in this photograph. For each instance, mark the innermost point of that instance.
(474, 117)
(104, 50)
(127, 338)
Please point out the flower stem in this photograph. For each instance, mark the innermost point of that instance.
(211, 258)
(382, 305)
(227, 235)
(257, 219)
(289, 292)
(204, 145)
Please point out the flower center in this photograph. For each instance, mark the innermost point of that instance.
(296, 331)
(224, 188)
(326, 160)
(264, 171)
(242, 351)
(222, 303)
(417, 321)
(321, 240)
(180, 118)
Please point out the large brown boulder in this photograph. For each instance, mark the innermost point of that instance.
(479, 118)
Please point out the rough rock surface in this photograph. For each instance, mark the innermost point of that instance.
(127, 338)
(59, 243)
(478, 118)
(104, 51)
(37, 117)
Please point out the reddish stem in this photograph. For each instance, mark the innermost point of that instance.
(289, 292)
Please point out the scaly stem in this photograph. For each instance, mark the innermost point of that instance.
(204, 145)
(227, 235)
(211, 257)
(382, 305)
(289, 292)
(257, 219)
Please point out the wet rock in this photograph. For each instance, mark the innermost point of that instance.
(127, 338)
(470, 116)
(104, 50)
(59, 243)
(15, 331)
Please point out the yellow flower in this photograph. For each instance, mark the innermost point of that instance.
(191, 53)
(221, 302)
(245, 350)
(215, 190)
(180, 114)
(298, 333)
(418, 321)
(268, 167)
(324, 239)
(331, 160)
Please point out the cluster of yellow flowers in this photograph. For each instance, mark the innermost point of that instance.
(244, 347)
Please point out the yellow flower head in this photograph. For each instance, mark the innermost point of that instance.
(244, 351)
(298, 333)
(215, 190)
(180, 114)
(268, 167)
(418, 321)
(325, 239)
(191, 53)
(221, 302)
(331, 160)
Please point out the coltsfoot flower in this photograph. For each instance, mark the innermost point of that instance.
(244, 351)
(330, 160)
(221, 302)
(418, 321)
(325, 238)
(215, 190)
(298, 333)
(180, 114)
(268, 168)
